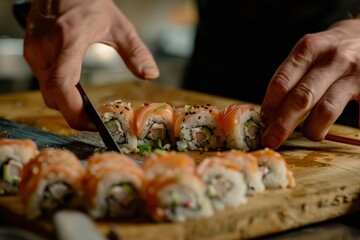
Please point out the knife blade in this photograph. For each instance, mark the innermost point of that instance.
(75, 225)
(106, 136)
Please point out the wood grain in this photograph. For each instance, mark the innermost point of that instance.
(327, 172)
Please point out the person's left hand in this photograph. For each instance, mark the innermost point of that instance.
(314, 84)
(57, 37)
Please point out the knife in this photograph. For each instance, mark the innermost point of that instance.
(75, 225)
(106, 136)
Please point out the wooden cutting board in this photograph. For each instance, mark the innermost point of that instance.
(327, 173)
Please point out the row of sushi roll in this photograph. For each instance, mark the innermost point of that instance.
(167, 186)
(188, 128)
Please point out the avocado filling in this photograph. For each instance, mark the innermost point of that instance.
(121, 199)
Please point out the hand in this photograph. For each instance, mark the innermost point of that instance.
(57, 38)
(314, 84)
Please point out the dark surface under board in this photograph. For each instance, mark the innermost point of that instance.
(44, 140)
(83, 144)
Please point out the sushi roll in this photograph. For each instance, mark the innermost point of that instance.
(250, 167)
(275, 170)
(167, 163)
(154, 126)
(51, 181)
(112, 186)
(241, 126)
(118, 116)
(225, 181)
(172, 190)
(177, 198)
(14, 154)
(196, 128)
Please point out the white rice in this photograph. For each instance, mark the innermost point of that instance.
(124, 124)
(236, 195)
(18, 152)
(33, 206)
(196, 122)
(157, 121)
(236, 140)
(97, 206)
(184, 187)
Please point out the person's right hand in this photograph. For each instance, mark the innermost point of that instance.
(314, 84)
(57, 38)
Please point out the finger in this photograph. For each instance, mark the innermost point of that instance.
(40, 66)
(289, 74)
(330, 107)
(132, 49)
(300, 101)
(61, 87)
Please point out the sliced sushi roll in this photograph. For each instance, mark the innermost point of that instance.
(51, 181)
(275, 170)
(177, 198)
(241, 126)
(14, 154)
(167, 163)
(154, 126)
(118, 116)
(225, 181)
(196, 128)
(112, 186)
(249, 165)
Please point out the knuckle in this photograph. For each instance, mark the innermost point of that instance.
(280, 84)
(302, 97)
(327, 109)
(306, 44)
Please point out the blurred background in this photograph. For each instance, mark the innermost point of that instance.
(166, 26)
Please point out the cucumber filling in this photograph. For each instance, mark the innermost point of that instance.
(157, 137)
(201, 135)
(252, 133)
(115, 129)
(181, 203)
(10, 171)
(121, 199)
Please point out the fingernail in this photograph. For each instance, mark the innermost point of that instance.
(150, 71)
(270, 141)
